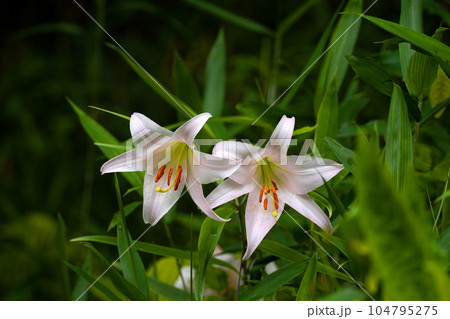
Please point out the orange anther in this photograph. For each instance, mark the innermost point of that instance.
(275, 197)
(273, 190)
(160, 173)
(169, 176)
(265, 203)
(261, 192)
(274, 184)
(178, 178)
(266, 191)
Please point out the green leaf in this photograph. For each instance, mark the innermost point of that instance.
(327, 119)
(184, 84)
(231, 17)
(312, 61)
(308, 284)
(281, 251)
(398, 233)
(207, 242)
(99, 134)
(166, 290)
(91, 280)
(344, 155)
(292, 18)
(61, 245)
(128, 209)
(275, 280)
(304, 130)
(371, 73)
(345, 294)
(215, 77)
(399, 149)
(410, 17)
(121, 284)
(342, 42)
(422, 41)
(132, 267)
(110, 112)
(82, 284)
(152, 249)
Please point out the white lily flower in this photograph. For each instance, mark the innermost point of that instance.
(171, 162)
(272, 178)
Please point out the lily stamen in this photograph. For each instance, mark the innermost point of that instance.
(274, 184)
(261, 192)
(160, 173)
(265, 203)
(174, 184)
(178, 178)
(169, 176)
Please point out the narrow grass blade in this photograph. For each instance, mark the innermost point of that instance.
(166, 290)
(128, 209)
(275, 280)
(110, 112)
(399, 148)
(308, 284)
(82, 284)
(231, 17)
(132, 267)
(207, 242)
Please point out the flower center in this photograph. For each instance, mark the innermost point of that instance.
(269, 188)
(178, 153)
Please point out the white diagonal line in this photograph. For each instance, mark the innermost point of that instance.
(129, 55)
(315, 61)
(131, 245)
(321, 247)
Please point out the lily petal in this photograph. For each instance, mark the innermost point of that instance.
(187, 132)
(245, 152)
(227, 191)
(196, 192)
(258, 221)
(209, 168)
(156, 205)
(302, 174)
(130, 161)
(308, 208)
(281, 137)
(142, 128)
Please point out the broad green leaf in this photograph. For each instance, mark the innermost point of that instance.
(341, 43)
(132, 267)
(422, 71)
(215, 77)
(231, 17)
(319, 199)
(311, 63)
(281, 251)
(371, 73)
(207, 242)
(327, 119)
(99, 134)
(410, 17)
(304, 130)
(121, 284)
(166, 290)
(128, 209)
(82, 284)
(90, 280)
(436, 8)
(399, 148)
(275, 280)
(152, 249)
(422, 41)
(398, 233)
(184, 84)
(440, 90)
(344, 155)
(308, 284)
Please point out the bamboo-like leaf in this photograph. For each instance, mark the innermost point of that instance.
(132, 267)
(110, 112)
(215, 77)
(344, 155)
(99, 134)
(410, 17)
(327, 119)
(275, 280)
(342, 40)
(440, 90)
(311, 63)
(91, 280)
(166, 290)
(420, 40)
(207, 242)
(392, 220)
(308, 284)
(399, 147)
(304, 130)
(82, 284)
(231, 17)
(152, 249)
(184, 84)
(128, 209)
(371, 73)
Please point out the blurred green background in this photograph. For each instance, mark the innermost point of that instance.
(53, 50)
